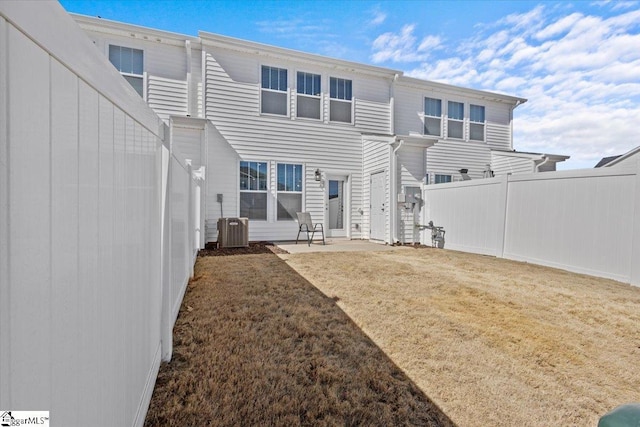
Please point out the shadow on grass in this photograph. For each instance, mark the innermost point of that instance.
(257, 344)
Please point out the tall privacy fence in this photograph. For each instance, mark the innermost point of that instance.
(585, 221)
(99, 227)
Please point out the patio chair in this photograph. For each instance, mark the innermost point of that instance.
(305, 224)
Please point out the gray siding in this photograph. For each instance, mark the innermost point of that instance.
(167, 96)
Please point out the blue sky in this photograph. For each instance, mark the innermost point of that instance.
(577, 63)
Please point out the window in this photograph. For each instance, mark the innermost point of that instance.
(274, 90)
(432, 116)
(441, 179)
(130, 64)
(289, 191)
(308, 100)
(476, 125)
(253, 190)
(455, 112)
(340, 104)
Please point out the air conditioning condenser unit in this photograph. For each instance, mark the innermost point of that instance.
(233, 232)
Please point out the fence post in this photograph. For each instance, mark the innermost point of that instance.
(502, 215)
(635, 237)
(166, 318)
(190, 218)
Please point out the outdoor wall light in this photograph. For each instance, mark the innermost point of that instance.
(318, 175)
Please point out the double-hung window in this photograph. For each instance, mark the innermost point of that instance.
(476, 122)
(308, 99)
(455, 122)
(432, 116)
(253, 190)
(274, 90)
(129, 62)
(289, 191)
(340, 92)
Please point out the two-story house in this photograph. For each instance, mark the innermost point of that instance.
(280, 131)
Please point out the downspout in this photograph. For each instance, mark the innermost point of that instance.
(393, 208)
(545, 160)
(187, 45)
(392, 107)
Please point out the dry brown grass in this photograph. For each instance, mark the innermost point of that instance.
(257, 345)
(491, 341)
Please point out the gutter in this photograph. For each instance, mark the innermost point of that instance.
(545, 159)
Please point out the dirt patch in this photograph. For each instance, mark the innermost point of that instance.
(212, 249)
(491, 341)
(256, 344)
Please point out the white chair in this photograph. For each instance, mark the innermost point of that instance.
(305, 224)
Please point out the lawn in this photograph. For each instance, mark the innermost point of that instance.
(255, 344)
(491, 341)
(408, 337)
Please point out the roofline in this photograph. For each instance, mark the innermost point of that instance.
(533, 156)
(225, 42)
(130, 30)
(483, 94)
(624, 156)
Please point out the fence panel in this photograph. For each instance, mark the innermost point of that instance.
(584, 221)
(83, 225)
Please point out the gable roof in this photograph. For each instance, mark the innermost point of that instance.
(606, 160)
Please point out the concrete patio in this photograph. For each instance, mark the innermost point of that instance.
(336, 245)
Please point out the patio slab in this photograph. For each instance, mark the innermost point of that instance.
(336, 245)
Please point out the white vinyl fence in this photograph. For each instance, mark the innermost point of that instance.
(99, 224)
(586, 221)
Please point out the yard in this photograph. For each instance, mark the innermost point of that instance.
(485, 341)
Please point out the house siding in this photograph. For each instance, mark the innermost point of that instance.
(450, 156)
(376, 157)
(502, 165)
(233, 104)
(411, 172)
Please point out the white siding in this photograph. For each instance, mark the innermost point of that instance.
(450, 156)
(167, 96)
(409, 107)
(376, 155)
(234, 107)
(189, 141)
(502, 165)
(411, 170)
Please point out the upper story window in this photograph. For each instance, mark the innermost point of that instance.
(274, 90)
(129, 62)
(476, 122)
(455, 122)
(308, 99)
(253, 190)
(340, 92)
(289, 190)
(432, 116)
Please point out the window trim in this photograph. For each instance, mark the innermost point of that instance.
(462, 120)
(301, 192)
(483, 123)
(425, 116)
(342, 100)
(266, 191)
(286, 92)
(142, 77)
(319, 97)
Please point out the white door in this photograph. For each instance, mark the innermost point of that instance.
(377, 208)
(336, 206)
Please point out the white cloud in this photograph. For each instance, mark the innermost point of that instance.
(378, 17)
(579, 70)
(403, 46)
